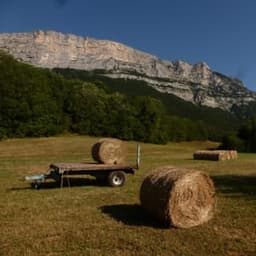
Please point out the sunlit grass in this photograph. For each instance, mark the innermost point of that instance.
(90, 219)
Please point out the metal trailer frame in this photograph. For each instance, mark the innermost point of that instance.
(113, 174)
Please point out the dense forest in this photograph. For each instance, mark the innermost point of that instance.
(37, 102)
(41, 102)
(175, 106)
(244, 139)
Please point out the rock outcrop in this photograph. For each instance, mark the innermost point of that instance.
(195, 83)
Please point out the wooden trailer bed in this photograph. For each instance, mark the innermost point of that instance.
(113, 174)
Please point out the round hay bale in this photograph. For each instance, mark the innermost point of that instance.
(179, 197)
(109, 151)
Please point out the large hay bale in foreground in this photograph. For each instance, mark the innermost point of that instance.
(215, 155)
(109, 151)
(179, 197)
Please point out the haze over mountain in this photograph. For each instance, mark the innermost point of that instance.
(194, 83)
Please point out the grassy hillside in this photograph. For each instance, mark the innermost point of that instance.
(90, 219)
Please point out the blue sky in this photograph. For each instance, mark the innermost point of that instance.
(221, 33)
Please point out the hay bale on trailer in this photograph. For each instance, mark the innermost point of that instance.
(109, 151)
(180, 197)
(215, 155)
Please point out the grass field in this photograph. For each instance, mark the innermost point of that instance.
(91, 219)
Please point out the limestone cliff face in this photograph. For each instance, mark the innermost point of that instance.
(196, 83)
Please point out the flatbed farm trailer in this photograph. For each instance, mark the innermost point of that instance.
(113, 174)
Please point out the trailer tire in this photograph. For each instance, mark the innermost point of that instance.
(116, 179)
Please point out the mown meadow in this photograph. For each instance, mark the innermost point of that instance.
(89, 218)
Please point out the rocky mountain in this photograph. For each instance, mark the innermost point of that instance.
(195, 83)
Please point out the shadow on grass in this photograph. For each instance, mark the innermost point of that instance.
(71, 182)
(236, 185)
(132, 215)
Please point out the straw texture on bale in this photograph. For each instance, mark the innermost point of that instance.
(109, 151)
(180, 197)
(215, 155)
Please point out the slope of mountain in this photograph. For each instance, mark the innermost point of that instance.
(194, 83)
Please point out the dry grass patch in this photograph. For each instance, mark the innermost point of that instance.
(91, 219)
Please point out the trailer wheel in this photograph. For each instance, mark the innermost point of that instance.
(116, 179)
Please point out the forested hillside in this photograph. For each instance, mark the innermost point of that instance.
(36, 102)
(175, 106)
(40, 102)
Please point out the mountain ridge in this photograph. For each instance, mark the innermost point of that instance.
(194, 83)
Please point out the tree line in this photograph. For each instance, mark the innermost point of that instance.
(216, 120)
(39, 102)
(244, 139)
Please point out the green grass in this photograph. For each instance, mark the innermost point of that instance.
(90, 219)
